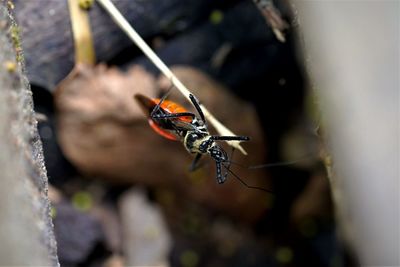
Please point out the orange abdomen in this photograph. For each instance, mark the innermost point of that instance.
(148, 104)
(172, 107)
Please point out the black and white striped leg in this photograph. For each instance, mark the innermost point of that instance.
(220, 178)
(230, 138)
(196, 104)
(173, 115)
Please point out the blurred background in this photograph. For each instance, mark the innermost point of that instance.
(123, 196)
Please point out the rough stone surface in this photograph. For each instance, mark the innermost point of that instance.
(26, 229)
(147, 241)
(77, 234)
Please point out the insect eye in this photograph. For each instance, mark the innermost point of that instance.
(194, 136)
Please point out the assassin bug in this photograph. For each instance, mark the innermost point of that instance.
(174, 122)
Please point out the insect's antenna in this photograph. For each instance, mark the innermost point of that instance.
(278, 164)
(245, 184)
(260, 166)
(232, 151)
(237, 164)
(157, 107)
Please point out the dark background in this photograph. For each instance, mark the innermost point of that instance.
(257, 67)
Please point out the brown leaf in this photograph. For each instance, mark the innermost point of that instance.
(105, 134)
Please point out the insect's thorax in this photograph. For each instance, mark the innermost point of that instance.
(198, 141)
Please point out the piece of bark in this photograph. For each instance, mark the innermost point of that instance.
(26, 229)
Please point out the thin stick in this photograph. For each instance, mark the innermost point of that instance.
(83, 42)
(273, 17)
(135, 37)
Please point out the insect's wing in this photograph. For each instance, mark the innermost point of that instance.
(182, 125)
(172, 129)
(145, 103)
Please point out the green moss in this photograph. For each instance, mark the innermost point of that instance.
(189, 258)
(216, 16)
(10, 4)
(53, 212)
(10, 66)
(284, 255)
(308, 228)
(16, 41)
(82, 201)
(86, 4)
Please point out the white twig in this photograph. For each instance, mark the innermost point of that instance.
(135, 37)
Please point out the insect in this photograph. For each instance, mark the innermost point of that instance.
(174, 122)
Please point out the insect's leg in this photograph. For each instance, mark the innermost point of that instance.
(196, 104)
(228, 168)
(195, 162)
(230, 138)
(247, 185)
(220, 178)
(157, 107)
(173, 115)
